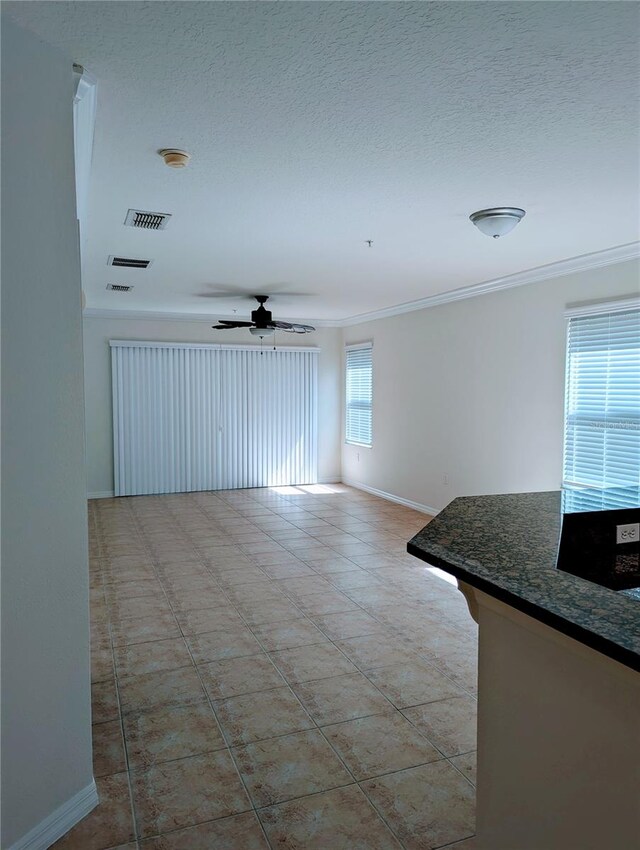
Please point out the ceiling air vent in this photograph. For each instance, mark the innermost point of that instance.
(128, 263)
(119, 287)
(147, 220)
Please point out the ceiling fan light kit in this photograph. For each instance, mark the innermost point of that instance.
(497, 221)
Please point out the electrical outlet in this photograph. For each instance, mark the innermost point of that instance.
(358, 456)
(445, 480)
(629, 533)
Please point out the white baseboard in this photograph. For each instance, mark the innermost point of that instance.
(60, 821)
(336, 480)
(390, 497)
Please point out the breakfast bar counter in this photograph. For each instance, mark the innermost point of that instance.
(559, 681)
(507, 546)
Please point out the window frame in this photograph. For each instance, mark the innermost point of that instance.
(367, 345)
(585, 311)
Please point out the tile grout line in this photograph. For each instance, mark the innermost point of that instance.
(362, 791)
(121, 727)
(333, 749)
(293, 600)
(227, 747)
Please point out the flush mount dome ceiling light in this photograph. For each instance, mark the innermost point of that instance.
(497, 221)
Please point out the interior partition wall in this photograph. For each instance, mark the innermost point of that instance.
(207, 417)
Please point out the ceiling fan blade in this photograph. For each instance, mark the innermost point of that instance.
(225, 291)
(297, 329)
(227, 295)
(293, 327)
(225, 326)
(284, 293)
(230, 293)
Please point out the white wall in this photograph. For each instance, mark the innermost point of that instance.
(46, 720)
(98, 332)
(474, 390)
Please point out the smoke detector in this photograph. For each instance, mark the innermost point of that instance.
(175, 158)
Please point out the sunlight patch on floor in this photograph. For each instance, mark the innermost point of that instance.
(287, 491)
(309, 489)
(438, 573)
(321, 489)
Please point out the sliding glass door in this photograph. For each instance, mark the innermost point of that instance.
(199, 417)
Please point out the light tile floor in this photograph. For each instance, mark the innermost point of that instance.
(271, 669)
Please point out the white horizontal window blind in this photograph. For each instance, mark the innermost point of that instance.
(359, 394)
(189, 417)
(602, 427)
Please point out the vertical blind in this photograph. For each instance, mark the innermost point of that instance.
(198, 417)
(602, 421)
(359, 391)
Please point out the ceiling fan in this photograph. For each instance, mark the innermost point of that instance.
(262, 323)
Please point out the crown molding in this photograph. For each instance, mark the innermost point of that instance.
(585, 262)
(207, 318)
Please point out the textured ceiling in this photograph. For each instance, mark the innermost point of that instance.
(316, 126)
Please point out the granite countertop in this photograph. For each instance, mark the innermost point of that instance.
(506, 546)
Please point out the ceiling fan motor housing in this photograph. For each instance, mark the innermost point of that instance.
(261, 317)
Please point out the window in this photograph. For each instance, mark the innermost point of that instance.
(359, 379)
(602, 418)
